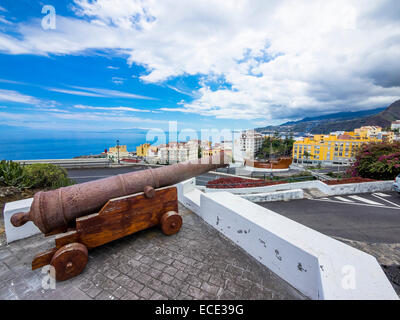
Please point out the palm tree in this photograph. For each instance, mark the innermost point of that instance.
(306, 155)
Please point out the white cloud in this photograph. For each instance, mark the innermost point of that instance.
(112, 67)
(182, 91)
(50, 110)
(118, 80)
(4, 20)
(104, 118)
(280, 58)
(61, 119)
(11, 81)
(3, 9)
(125, 14)
(114, 93)
(14, 96)
(97, 92)
(76, 92)
(110, 108)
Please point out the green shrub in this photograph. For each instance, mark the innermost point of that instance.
(39, 175)
(12, 174)
(44, 175)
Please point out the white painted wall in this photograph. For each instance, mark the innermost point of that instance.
(339, 189)
(279, 187)
(189, 195)
(25, 231)
(252, 169)
(317, 265)
(274, 196)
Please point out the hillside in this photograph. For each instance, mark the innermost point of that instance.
(346, 121)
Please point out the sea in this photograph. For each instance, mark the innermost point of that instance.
(21, 143)
(38, 144)
(32, 144)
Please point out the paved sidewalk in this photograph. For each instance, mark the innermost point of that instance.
(196, 263)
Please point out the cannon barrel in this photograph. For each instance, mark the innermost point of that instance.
(58, 208)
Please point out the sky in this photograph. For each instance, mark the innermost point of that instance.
(120, 64)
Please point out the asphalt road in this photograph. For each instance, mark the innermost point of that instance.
(373, 217)
(85, 175)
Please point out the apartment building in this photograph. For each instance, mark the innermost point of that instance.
(113, 153)
(395, 125)
(331, 149)
(174, 152)
(375, 132)
(249, 143)
(142, 150)
(368, 131)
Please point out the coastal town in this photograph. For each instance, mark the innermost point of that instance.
(333, 149)
(212, 151)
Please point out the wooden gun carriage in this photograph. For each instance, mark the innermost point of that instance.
(130, 203)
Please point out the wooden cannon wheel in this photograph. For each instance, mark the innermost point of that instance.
(69, 260)
(171, 223)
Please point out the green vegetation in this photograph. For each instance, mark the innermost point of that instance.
(314, 167)
(275, 146)
(379, 161)
(337, 175)
(39, 175)
(302, 176)
(306, 155)
(12, 174)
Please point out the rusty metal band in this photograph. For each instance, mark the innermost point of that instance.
(61, 204)
(156, 180)
(122, 182)
(42, 217)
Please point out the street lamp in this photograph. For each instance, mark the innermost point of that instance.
(118, 151)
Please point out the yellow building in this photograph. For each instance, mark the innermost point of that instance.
(216, 150)
(331, 149)
(368, 131)
(142, 150)
(387, 136)
(207, 152)
(122, 149)
(114, 155)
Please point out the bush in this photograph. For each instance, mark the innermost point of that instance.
(45, 175)
(12, 174)
(39, 175)
(378, 161)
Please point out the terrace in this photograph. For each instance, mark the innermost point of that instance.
(228, 248)
(196, 263)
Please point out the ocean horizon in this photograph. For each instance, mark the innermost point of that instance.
(36, 144)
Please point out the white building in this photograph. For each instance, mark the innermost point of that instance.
(175, 152)
(248, 144)
(117, 152)
(395, 125)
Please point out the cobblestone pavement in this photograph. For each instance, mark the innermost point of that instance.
(196, 263)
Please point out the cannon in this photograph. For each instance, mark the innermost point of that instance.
(87, 215)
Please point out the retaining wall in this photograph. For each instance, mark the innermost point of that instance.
(274, 196)
(339, 189)
(315, 264)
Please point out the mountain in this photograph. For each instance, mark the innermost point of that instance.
(341, 121)
(338, 116)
